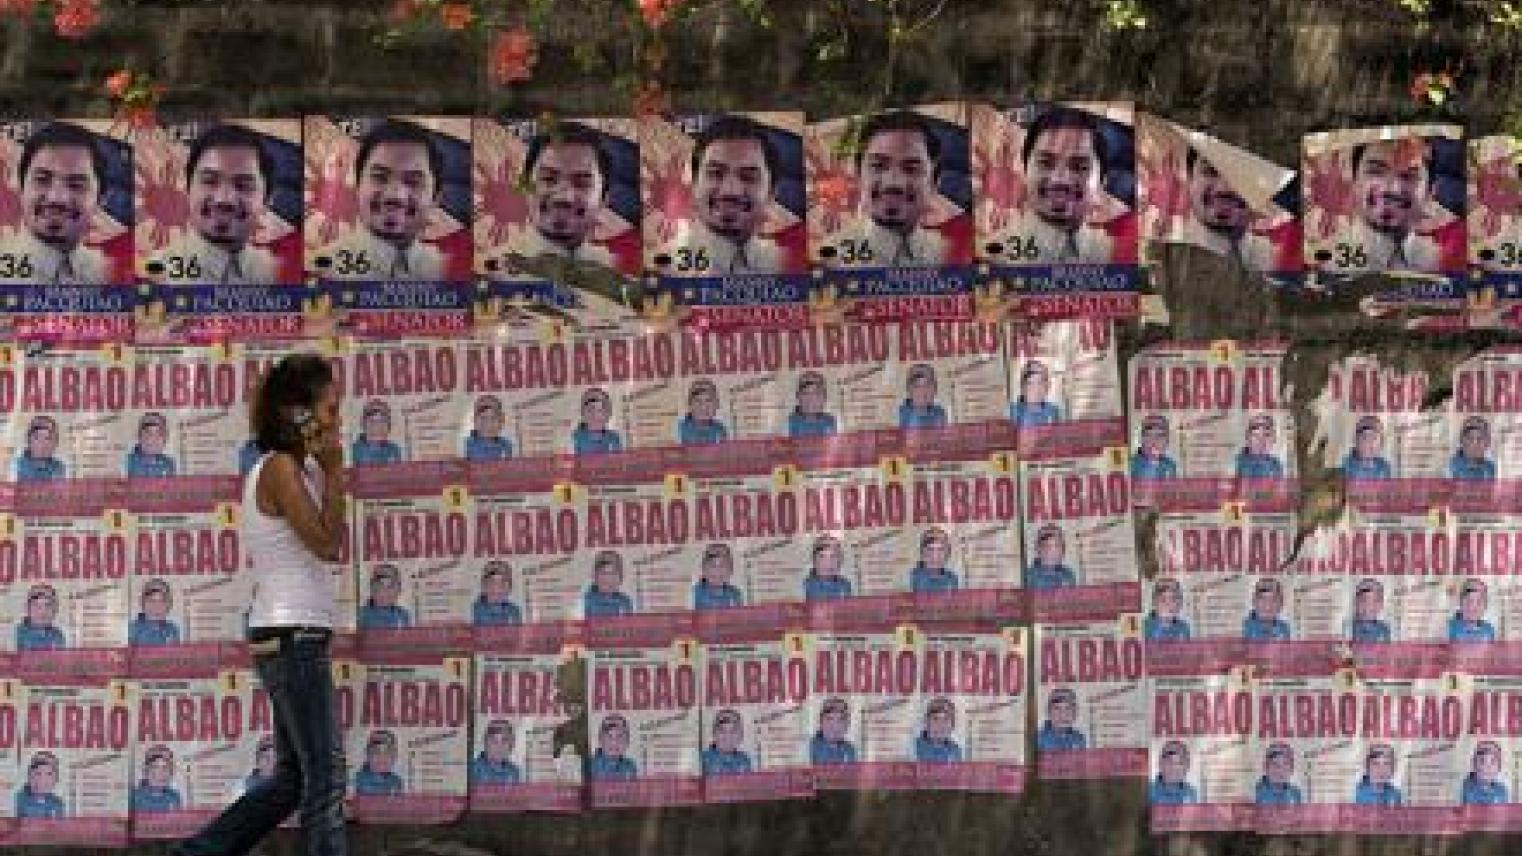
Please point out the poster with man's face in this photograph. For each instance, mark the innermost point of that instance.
(891, 191)
(1056, 206)
(70, 217)
(219, 203)
(557, 197)
(1387, 200)
(387, 198)
(1196, 189)
(724, 199)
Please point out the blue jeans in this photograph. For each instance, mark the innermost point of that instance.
(309, 755)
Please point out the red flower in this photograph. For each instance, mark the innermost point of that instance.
(76, 18)
(456, 16)
(403, 11)
(512, 57)
(117, 83)
(655, 12)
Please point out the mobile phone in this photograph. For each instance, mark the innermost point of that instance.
(305, 421)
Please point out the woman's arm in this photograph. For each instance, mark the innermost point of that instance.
(282, 493)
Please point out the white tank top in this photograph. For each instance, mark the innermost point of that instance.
(292, 587)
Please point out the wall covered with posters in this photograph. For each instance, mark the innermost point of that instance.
(828, 496)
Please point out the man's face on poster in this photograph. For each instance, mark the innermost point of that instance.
(811, 398)
(381, 756)
(1168, 602)
(567, 192)
(1475, 442)
(613, 739)
(1381, 767)
(897, 178)
(1368, 442)
(1487, 765)
(922, 389)
(156, 604)
(1035, 383)
(226, 195)
(1267, 601)
(160, 772)
(704, 403)
(489, 419)
(1050, 549)
(1063, 173)
(496, 587)
(59, 194)
(1390, 185)
(1174, 766)
(934, 552)
(596, 411)
(827, 559)
(608, 576)
(727, 735)
(1214, 203)
(153, 437)
(41, 441)
(717, 569)
(397, 191)
(1280, 767)
(499, 745)
(938, 724)
(41, 610)
(1260, 438)
(1064, 712)
(1369, 604)
(377, 426)
(832, 723)
(732, 187)
(42, 778)
(1472, 604)
(385, 590)
(1154, 441)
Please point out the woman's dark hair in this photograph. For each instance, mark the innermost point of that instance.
(295, 381)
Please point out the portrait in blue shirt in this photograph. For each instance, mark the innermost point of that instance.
(823, 750)
(829, 744)
(700, 426)
(919, 408)
(809, 417)
(1263, 623)
(486, 441)
(149, 465)
(723, 755)
(376, 777)
(1277, 793)
(1048, 570)
(1056, 738)
(373, 446)
(1151, 460)
(713, 590)
(1471, 461)
(1256, 459)
(381, 611)
(1060, 729)
(493, 607)
(35, 798)
(493, 765)
(935, 743)
(1030, 408)
(1376, 786)
(824, 580)
(1171, 784)
(147, 799)
(37, 462)
(1483, 785)
(155, 792)
(592, 435)
(1365, 461)
(603, 597)
(1165, 623)
(1157, 628)
(1469, 624)
(718, 762)
(931, 574)
(153, 626)
(607, 767)
(1368, 605)
(36, 631)
(609, 761)
(1275, 786)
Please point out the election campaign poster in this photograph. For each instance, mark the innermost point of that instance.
(1396, 572)
(1402, 775)
(861, 550)
(1200, 190)
(256, 760)
(1388, 201)
(188, 595)
(953, 376)
(890, 212)
(1495, 230)
(257, 359)
(213, 314)
(1308, 746)
(558, 224)
(1064, 387)
(1056, 207)
(644, 726)
(12, 709)
(1212, 558)
(749, 559)
(415, 586)
(523, 757)
(72, 418)
(1487, 559)
(191, 418)
(75, 763)
(410, 738)
(964, 530)
(1201, 769)
(1484, 417)
(387, 198)
(1080, 545)
(1092, 700)
(972, 702)
(402, 403)
(219, 202)
(1488, 766)
(188, 760)
(865, 709)
(71, 221)
(523, 578)
(65, 585)
(1210, 420)
(755, 718)
(1379, 428)
(642, 563)
(724, 199)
